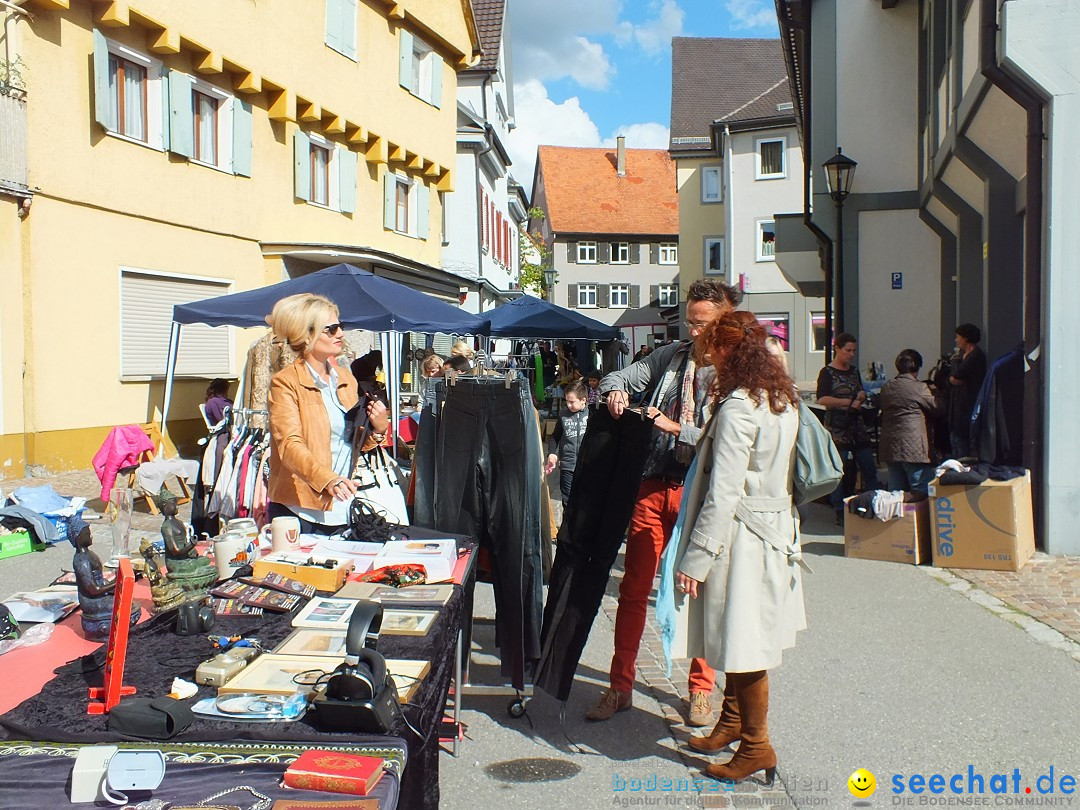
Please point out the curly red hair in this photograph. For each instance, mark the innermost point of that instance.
(736, 346)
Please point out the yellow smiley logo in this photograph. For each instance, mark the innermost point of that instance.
(862, 784)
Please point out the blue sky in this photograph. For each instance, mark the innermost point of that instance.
(587, 70)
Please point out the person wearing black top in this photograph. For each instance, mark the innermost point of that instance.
(965, 380)
(840, 390)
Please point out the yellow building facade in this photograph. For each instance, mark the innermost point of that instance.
(180, 151)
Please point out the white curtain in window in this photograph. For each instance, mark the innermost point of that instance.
(134, 104)
(206, 121)
(320, 191)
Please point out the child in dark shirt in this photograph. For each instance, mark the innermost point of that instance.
(565, 441)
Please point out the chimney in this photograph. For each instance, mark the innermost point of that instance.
(620, 162)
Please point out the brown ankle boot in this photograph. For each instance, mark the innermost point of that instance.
(755, 752)
(727, 728)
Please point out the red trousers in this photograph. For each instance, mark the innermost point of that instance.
(651, 525)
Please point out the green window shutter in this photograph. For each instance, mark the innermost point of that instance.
(635, 253)
(348, 27)
(436, 79)
(334, 14)
(571, 252)
(241, 138)
(346, 161)
(302, 164)
(423, 209)
(603, 252)
(389, 201)
(635, 296)
(181, 117)
(104, 112)
(405, 49)
(603, 295)
(654, 253)
(571, 295)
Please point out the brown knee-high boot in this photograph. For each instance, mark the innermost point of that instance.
(755, 752)
(727, 729)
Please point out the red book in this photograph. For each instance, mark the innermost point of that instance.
(334, 772)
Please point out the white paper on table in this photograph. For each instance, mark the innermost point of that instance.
(362, 555)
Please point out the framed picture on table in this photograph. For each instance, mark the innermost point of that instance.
(397, 622)
(274, 674)
(325, 613)
(311, 641)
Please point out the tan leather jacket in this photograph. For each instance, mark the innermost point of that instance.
(300, 437)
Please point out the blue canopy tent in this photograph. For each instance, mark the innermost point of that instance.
(364, 300)
(528, 317)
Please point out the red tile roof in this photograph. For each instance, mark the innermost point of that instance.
(585, 194)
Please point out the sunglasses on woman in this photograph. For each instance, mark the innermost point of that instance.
(333, 328)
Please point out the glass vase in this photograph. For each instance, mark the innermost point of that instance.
(121, 504)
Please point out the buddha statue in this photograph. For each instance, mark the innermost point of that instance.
(192, 572)
(166, 594)
(96, 594)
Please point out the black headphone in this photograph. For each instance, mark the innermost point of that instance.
(360, 695)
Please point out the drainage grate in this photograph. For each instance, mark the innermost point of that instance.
(533, 769)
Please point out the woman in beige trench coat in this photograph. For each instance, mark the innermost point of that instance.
(740, 562)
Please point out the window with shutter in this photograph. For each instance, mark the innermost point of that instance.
(146, 307)
(620, 252)
(667, 253)
(586, 252)
(131, 97)
(586, 296)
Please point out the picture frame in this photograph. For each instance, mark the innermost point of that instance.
(325, 613)
(408, 675)
(272, 674)
(312, 641)
(397, 622)
(390, 597)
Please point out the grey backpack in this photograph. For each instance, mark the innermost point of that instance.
(818, 465)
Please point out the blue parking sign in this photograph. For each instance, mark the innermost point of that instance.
(898, 281)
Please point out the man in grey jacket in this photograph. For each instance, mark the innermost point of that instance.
(679, 408)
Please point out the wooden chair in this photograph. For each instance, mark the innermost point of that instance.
(167, 449)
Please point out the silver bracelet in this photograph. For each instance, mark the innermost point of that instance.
(262, 804)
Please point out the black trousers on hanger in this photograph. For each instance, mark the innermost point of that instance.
(606, 481)
(487, 485)
(423, 513)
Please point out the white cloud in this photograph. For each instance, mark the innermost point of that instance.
(551, 40)
(543, 121)
(575, 57)
(649, 135)
(751, 14)
(654, 35)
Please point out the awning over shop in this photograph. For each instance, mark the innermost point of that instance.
(365, 301)
(529, 317)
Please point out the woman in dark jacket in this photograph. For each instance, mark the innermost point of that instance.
(965, 380)
(906, 403)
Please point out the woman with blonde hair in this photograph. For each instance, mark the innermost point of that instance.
(464, 350)
(738, 561)
(311, 446)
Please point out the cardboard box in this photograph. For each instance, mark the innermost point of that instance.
(904, 540)
(987, 526)
(16, 543)
(294, 565)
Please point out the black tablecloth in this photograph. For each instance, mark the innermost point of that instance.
(156, 655)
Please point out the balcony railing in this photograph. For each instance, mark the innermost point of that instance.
(13, 157)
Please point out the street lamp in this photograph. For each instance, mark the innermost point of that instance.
(839, 172)
(549, 283)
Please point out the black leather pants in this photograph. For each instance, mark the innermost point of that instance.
(487, 485)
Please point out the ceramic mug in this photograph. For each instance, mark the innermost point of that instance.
(231, 551)
(282, 532)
